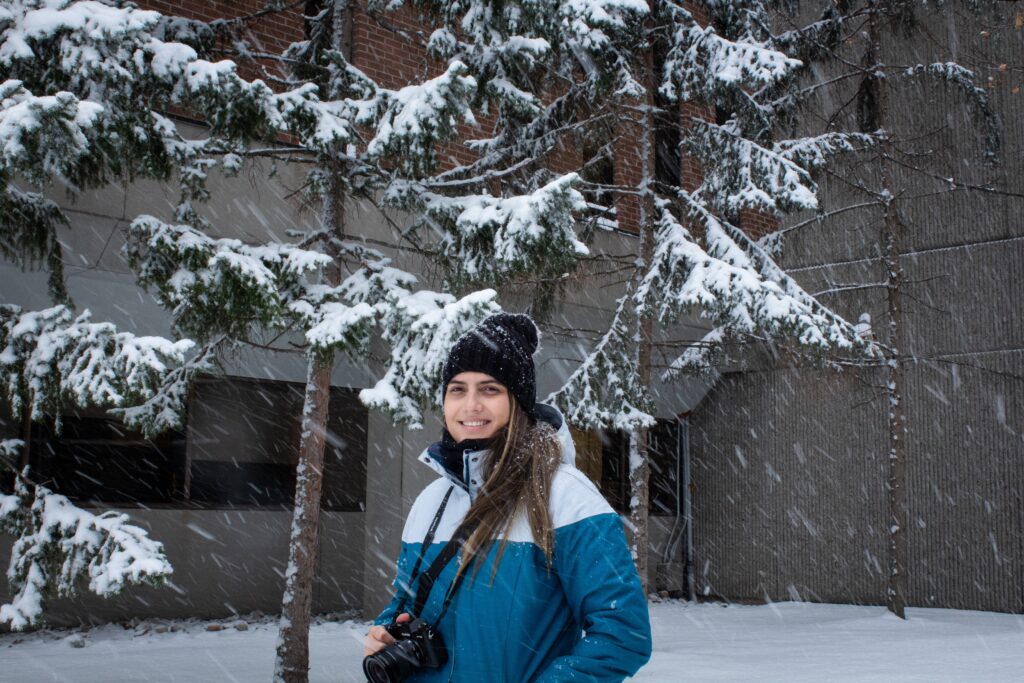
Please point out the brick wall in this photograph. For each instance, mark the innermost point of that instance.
(391, 50)
(273, 32)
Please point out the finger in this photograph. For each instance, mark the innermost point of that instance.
(380, 635)
(403, 617)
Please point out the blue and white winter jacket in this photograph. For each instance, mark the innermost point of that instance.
(584, 620)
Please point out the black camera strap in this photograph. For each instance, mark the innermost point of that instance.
(427, 540)
(429, 577)
(450, 595)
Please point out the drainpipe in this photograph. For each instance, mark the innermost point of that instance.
(683, 444)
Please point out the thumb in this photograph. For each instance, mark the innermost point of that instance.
(403, 617)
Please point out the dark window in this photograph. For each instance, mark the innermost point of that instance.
(96, 459)
(614, 483)
(241, 450)
(603, 455)
(596, 147)
(667, 159)
(244, 440)
(664, 448)
(345, 454)
(10, 428)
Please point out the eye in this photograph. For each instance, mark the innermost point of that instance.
(454, 389)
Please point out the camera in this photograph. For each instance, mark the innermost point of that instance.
(417, 645)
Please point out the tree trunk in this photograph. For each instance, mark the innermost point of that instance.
(26, 437)
(639, 464)
(639, 473)
(292, 663)
(292, 660)
(896, 594)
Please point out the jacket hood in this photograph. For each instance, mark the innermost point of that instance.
(472, 461)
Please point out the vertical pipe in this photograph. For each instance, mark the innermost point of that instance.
(691, 591)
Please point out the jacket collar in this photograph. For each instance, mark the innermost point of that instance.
(473, 461)
(471, 476)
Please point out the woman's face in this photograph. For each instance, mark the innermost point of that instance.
(476, 406)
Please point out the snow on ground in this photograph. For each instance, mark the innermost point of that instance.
(790, 642)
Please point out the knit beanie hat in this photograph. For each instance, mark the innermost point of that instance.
(501, 346)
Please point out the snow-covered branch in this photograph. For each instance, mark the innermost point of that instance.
(28, 236)
(699, 359)
(421, 327)
(956, 77)
(213, 285)
(701, 62)
(605, 390)
(42, 136)
(164, 409)
(736, 284)
(487, 239)
(52, 357)
(740, 173)
(57, 545)
(410, 122)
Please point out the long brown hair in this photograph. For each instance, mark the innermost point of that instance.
(522, 461)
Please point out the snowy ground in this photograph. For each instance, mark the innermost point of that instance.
(791, 642)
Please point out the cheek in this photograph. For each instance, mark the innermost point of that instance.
(501, 409)
(448, 409)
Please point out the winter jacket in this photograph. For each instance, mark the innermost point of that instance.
(584, 620)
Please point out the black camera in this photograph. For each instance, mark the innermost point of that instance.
(417, 645)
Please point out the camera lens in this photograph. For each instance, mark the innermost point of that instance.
(376, 671)
(392, 664)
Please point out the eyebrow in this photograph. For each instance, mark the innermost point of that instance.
(486, 381)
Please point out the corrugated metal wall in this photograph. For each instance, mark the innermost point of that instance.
(789, 465)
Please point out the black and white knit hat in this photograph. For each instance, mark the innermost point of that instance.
(501, 346)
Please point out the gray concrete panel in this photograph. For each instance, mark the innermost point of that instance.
(788, 488)
(226, 562)
(818, 517)
(965, 477)
(964, 299)
(385, 513)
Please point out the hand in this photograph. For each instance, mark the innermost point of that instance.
(378, 638)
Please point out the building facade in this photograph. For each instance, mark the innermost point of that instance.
(218, 493)
(770, 486)
(790, 464)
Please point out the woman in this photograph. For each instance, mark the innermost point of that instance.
(544, 588)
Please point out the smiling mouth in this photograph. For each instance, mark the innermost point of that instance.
(475, 423)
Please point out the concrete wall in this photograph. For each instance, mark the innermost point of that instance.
(790, 463)
(226, 562)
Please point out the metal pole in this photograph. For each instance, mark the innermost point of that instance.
(684, 443)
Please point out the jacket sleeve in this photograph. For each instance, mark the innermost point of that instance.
(599, 578)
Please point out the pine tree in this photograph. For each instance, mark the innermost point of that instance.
(693, 258)
(852, 41)
(58, 64)
(99, 114)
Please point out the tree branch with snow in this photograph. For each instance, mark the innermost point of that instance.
(58, 546)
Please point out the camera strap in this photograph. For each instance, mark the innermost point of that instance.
(429, 577)
(427, 540)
